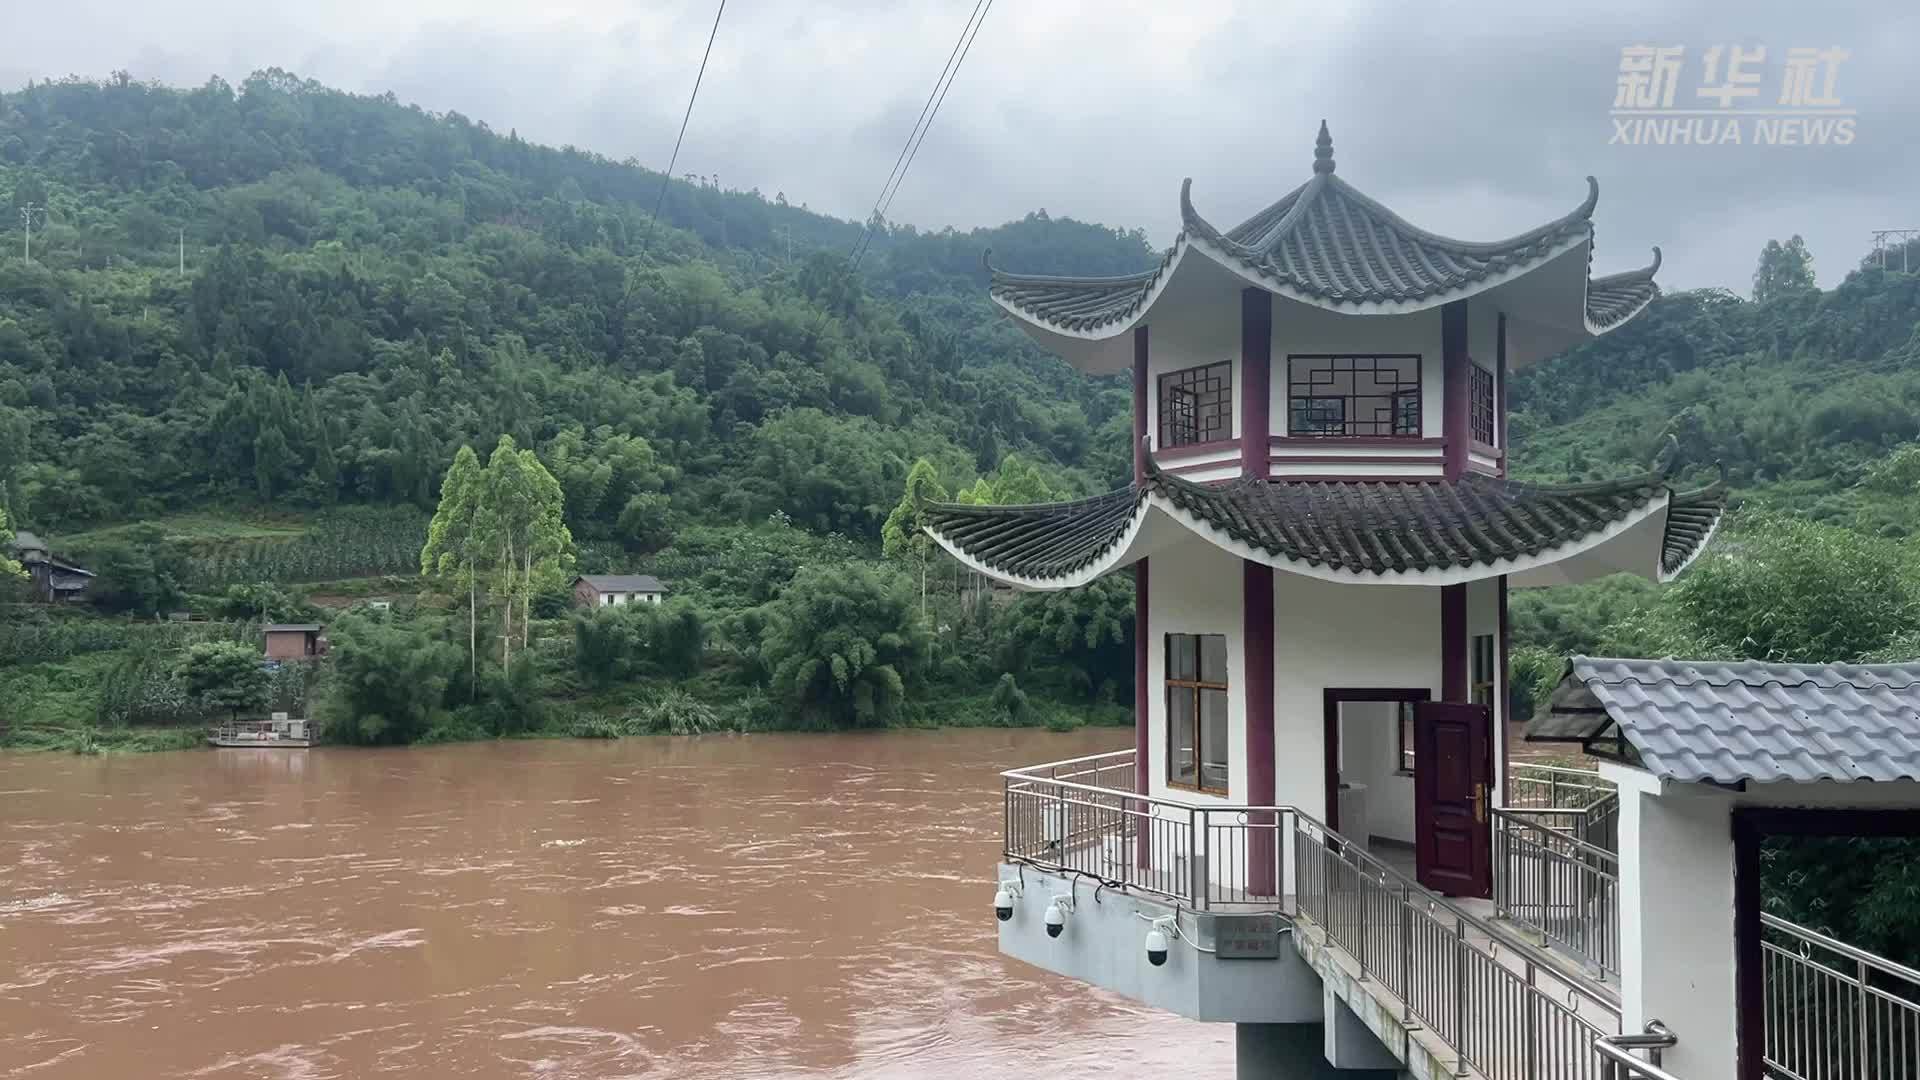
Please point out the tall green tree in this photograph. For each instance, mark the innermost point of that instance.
(388, 684)
(903, 535)
(453, 551)
(844, 646)
(1784, 269)
(10, 569)
(224, 675)
(520, 522)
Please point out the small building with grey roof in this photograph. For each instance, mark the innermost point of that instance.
(1714, 759)
(608, 590)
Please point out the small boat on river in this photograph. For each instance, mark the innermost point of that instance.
(260, 734)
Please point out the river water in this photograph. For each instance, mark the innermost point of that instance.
(723, 906)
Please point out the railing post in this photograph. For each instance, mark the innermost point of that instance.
(1406, 954)
(1530, 1020)
(1460, 994)
(1360, 892)
(1197, 858)
(1860, 1018)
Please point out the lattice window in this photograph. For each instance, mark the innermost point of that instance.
(1196, 405)
(1481, 401)
(1375, 396)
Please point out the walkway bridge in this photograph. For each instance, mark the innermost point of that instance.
(1523, 987)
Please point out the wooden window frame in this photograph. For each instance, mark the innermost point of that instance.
(1405, 724)
(1483, 423)
(1483, 670)
(1198, 685)
(1300, 395)
(1211, 422)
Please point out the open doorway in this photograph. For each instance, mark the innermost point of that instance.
(1371, 765)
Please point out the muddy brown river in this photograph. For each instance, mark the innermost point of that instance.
(727, 906)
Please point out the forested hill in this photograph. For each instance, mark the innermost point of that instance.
(1811, 400)
(366, 286)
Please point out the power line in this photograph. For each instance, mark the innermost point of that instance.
(928, 112)
(667, 177)
(921, 119)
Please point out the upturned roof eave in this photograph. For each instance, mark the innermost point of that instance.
(1115, 539)
(1052, 332)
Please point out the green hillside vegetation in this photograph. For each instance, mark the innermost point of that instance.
(367, 287)
(260, 321)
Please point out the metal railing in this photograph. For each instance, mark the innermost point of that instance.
(1530, 785)
(1592, 803)
(1084, 816)
(1558, 885)
(1836, 1012)
(1507, 1019)
(1502, 1013)
(1618, 1052)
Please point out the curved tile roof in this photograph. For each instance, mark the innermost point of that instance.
(1078, 303)
(1360, 527)
(1614, 299)
(1327, 243)
(1729, 722)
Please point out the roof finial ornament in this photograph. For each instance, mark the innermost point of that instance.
(1323, 152)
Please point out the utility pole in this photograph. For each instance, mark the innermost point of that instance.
(183, 253)
(1904, 237)
(26, 220)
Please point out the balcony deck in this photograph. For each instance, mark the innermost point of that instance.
(1447, 986)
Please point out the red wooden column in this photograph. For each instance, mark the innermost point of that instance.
(1256, 635)
(1139, 403)
(1142, 756)
(1453, 642)
(1455, 386)
(1256, 367)
(1502, 692)
(1256, 599)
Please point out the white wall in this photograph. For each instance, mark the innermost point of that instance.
(1195, 588)
(1334, 635)
(1370, 755)
(1298, 328)
(1203, 327)
(1483, 617)
(1326, 635)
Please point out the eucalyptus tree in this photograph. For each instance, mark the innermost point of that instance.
(903, 535)
(520, 527)
(452, 552)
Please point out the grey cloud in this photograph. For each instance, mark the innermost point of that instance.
(1477, 120)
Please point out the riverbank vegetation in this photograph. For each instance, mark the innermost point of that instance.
(263, 323)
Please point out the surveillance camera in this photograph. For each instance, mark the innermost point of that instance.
(1056, 919)
(1003, 904)
(1156, 946)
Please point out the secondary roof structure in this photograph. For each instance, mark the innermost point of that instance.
(624, 583)
(1433, 533)
(1328, 245)
(1733, 722)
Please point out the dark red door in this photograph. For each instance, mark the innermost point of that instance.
(1452, 778)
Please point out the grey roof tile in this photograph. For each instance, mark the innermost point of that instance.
(1728, 722)
(1329, 243)
(1362, 527)
(645, 583)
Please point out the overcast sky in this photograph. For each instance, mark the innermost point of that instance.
(1474, 120)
